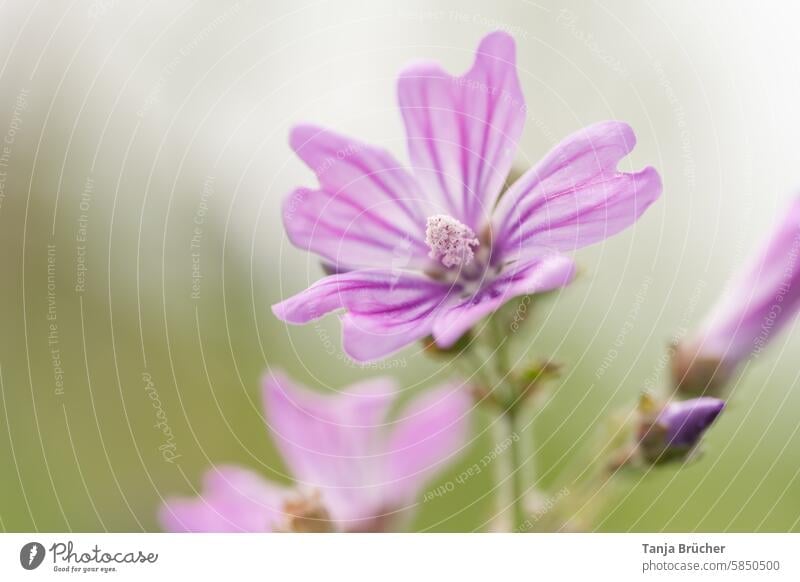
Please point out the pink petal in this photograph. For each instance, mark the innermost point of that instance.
(760, 299)
(366, 339)
(575, 196)
(386, 310)
(333, 443)
(366, 212)
(463, 131)
(430, 432)
(534, 276)
(234, 499)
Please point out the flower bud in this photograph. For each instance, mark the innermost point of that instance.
(673, 431)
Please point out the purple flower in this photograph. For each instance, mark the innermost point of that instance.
(432, 251)
(762, 297)
(355, 469)
(677, 428)
(688, 420)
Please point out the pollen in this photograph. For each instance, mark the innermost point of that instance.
(451, 242)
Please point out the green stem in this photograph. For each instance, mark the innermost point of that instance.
(509, 419)
(508, 401)
(516, 477)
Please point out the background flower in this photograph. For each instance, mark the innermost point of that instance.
(354, 468)
(761, 298)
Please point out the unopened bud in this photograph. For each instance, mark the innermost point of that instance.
(673, 431)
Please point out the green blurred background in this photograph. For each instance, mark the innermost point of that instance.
(133, 130)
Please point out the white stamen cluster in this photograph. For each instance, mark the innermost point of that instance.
(451, 242)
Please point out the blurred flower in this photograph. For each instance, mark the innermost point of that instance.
(431, 253)
(761, 298)
(355, 469)
(675, 430)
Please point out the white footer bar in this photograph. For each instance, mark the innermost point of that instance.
(402, 557)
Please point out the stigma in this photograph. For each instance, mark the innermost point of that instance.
(452, 243)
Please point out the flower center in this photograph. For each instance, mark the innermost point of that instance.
(304, 512)
(452, 243)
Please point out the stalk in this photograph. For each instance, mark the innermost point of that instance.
(516, 477)
(509, 418)
(496, 387)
